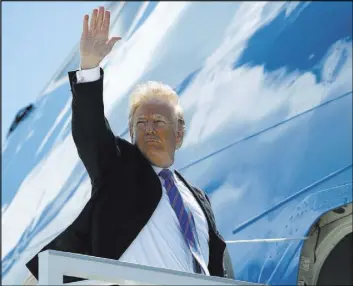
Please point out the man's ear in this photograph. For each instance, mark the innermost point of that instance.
(132, 135)
(179, 136)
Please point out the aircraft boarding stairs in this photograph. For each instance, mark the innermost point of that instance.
(53, 265)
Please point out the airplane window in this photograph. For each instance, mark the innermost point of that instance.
(20, 116)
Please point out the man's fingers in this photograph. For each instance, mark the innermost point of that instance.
(92, 25)
(100, 18)
(85, 26)
(106, 22)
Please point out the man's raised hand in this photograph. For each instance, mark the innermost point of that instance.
(95, 43)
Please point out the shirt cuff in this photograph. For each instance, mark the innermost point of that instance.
(88, 75)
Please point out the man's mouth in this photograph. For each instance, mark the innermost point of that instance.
(151, 140)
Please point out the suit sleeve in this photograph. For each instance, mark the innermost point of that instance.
(75, 239)
(93, 137)
(66, 241)
(97, 148)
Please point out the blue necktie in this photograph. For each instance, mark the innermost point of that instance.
(186, 220)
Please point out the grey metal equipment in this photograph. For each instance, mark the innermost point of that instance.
(53, 265)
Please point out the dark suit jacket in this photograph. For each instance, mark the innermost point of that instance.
(125, 188)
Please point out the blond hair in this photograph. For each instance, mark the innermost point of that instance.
(160, 91)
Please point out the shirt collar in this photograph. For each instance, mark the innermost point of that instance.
(158, 169)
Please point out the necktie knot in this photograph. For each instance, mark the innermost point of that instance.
(166, 174)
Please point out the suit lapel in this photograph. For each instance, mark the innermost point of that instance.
(202, 201)
(216, 242)
(149, 185)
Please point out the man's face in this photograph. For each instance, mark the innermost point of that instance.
(154, 129)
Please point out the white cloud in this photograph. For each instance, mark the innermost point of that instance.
(38, 189)
(249, 95)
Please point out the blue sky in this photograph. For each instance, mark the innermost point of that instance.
(36, 39)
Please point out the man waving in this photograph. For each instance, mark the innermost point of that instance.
(141, 210)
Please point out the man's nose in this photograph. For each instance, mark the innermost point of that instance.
(150, 128)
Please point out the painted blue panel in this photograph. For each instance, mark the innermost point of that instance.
(268, 107)
(301, 40)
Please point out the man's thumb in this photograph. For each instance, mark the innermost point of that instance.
(113, 40)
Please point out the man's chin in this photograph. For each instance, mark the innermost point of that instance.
(159, 158)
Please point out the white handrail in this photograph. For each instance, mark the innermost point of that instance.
(53, 265)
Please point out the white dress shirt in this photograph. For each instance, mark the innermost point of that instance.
(161, 243)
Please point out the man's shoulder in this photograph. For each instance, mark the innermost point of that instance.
(196, 189)
(203, 198)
